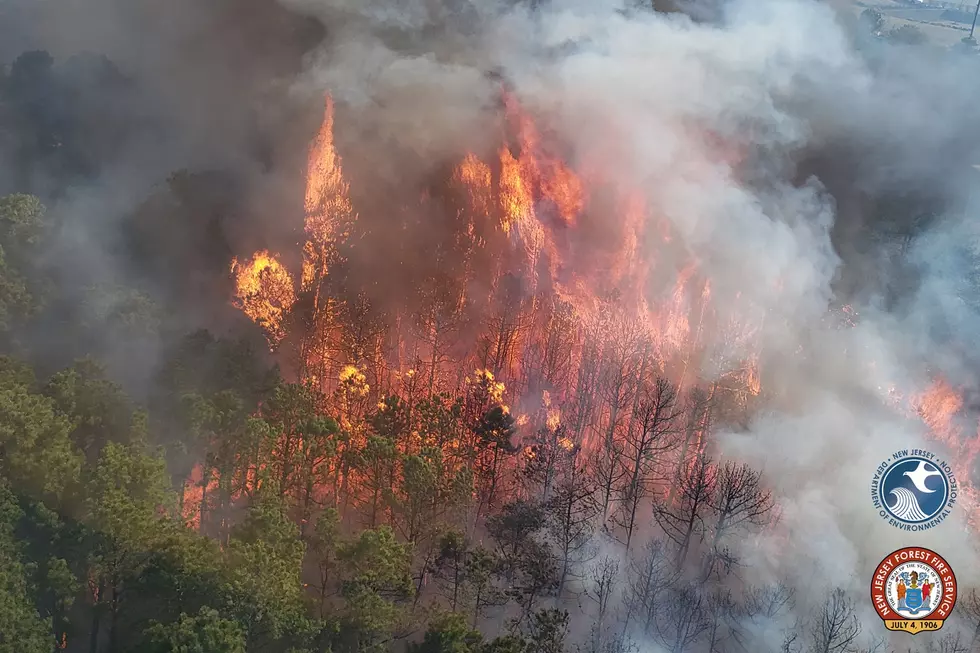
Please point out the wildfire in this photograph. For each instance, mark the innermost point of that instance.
(353, 381)
(476, 176)
(552, 308)
(555, 180)
(195, 496)
(566, 317)
(264, 291)
(939, 408)
(552, 413)
(484, 379)
(329, 212)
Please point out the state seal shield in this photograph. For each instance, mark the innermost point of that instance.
(913, 590)
(913, 600)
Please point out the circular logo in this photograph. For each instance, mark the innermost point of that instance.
(913, 590)
(914, 490)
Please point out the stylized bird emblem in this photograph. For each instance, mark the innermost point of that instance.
(920, 474)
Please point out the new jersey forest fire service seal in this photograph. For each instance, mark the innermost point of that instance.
(913, 590)
(913, 490)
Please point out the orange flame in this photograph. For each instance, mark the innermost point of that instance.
(475, 175)
(939, 407)
(555, 181)
(329, 212)
(563, 313)
(264, 292)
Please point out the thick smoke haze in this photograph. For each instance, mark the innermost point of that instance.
(176, 87)
(638, 95)
(764, 137)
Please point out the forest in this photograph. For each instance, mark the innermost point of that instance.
(472, 425)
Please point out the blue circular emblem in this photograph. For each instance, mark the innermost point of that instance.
(914, 490)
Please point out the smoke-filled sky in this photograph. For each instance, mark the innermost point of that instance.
(817, 131)
(827, 127)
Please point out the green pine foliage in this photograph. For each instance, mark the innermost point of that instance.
(165, 489)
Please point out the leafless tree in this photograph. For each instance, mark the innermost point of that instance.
(683, 618)
(363, 331)
(585, 397)
(948, 643)
(791, 641)
(546, 456)
(768, 601)
(762, 608)
(555, 360)
(876, 644)
(656, 414)
(436, 324)
(723, 613)
(604, 579)
(649, 573)
(683, 521)
(606, 473)
(739, 501)
(698, 408)
(506, 326)
(834, 628)
(971, 606)
(572, 510)
(619, 376)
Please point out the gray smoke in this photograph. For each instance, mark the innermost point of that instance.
(638, 92)
(826, 129)
(192, 87)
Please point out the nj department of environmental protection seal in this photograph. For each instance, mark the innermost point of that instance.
(913, 590)
(913, 490)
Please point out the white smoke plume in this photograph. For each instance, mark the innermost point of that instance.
(639, 92)
(815, 121)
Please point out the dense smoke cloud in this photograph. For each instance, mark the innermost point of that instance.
(639, 94)
(133, 93)
(764, 139)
